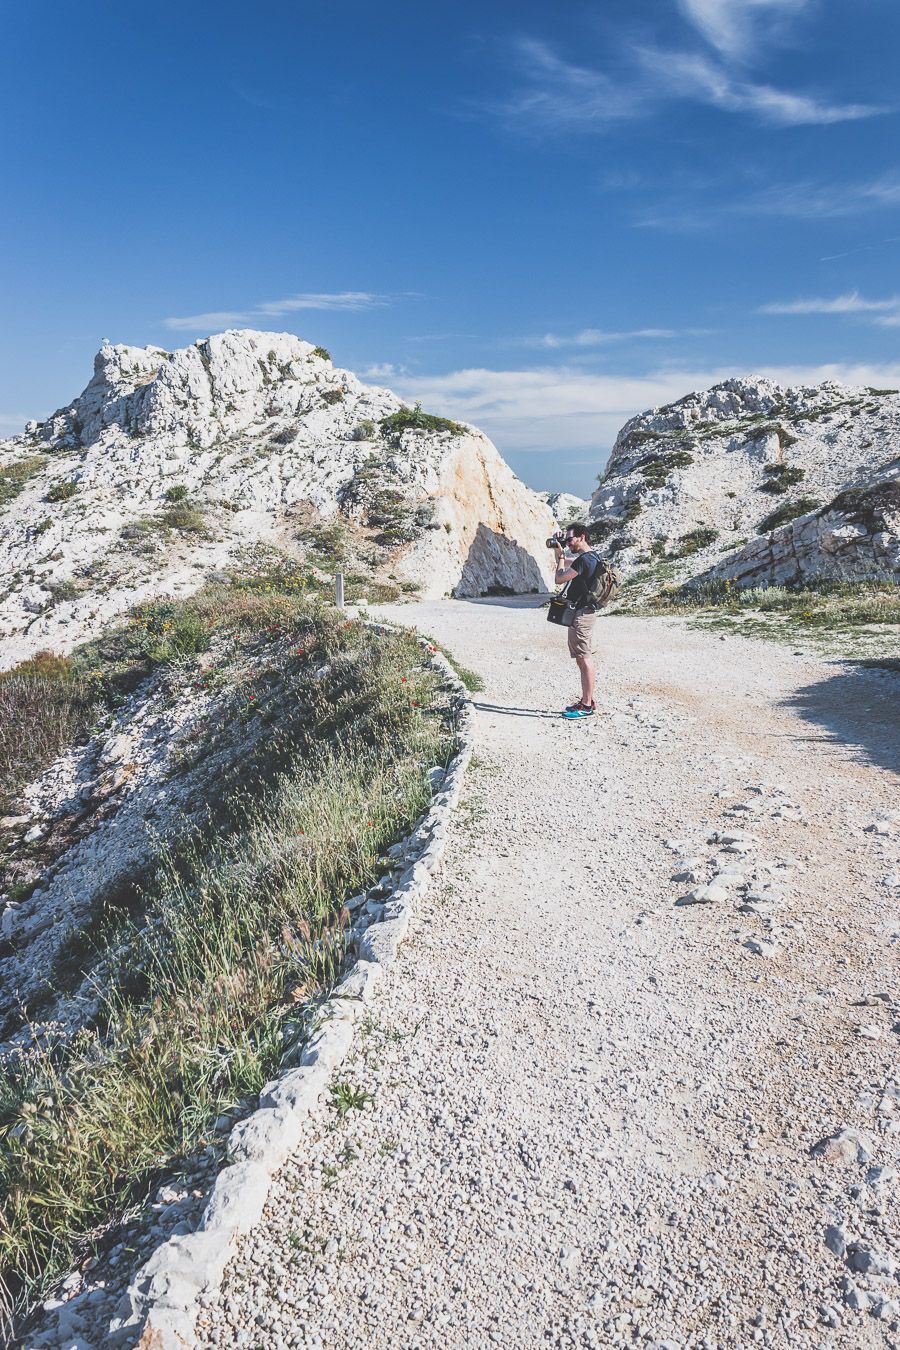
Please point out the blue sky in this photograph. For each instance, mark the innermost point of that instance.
(542, 224)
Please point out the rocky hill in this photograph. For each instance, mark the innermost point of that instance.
(785, 482)
(169, 464)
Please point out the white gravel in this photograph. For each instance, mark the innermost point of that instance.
(592, 1109)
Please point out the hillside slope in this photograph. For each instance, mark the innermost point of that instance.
(169, 463)
(702, 476)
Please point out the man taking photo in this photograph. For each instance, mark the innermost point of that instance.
(579, 570)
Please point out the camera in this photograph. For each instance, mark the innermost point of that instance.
(557, 540)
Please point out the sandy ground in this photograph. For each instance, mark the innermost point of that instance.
(592, 1108)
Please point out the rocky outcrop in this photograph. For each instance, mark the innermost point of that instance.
(565, 506)
(716, 469)
(170, 463)
(856, 536)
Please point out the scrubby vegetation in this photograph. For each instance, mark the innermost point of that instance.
(322, 352)
(787, 511)
(815, 606)
(695, 540)
(657, 468)
(780, 477)
(13, 477)
(45, 705)
(414, 419)
(62, 491)
(221, 950)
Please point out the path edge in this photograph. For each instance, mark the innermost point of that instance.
(161, 1304)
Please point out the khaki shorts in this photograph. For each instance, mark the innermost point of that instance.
(580, 634)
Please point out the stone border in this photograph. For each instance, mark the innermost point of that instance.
(159, 1309)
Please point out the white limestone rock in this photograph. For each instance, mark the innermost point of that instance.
(256, 427)
(566, 507)
(709, 462)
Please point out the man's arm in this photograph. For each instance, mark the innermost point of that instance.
(564, 572)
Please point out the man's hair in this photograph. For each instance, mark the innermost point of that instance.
(579, 529)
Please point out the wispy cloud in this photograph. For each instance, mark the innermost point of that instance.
(600, 337)
(702, 79)
(801, 200)
(558, 95)
(885, 313)
(734, 27)
(342, 301)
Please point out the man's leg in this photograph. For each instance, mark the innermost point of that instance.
(586, 670)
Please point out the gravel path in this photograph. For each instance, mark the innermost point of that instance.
(593, 1110)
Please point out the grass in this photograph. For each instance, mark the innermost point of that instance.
(238, 929)
(328, 541)
(826, 606)
(786, 512)
(14, 477)
(45, 705)
(345, 1098)
(470, 678)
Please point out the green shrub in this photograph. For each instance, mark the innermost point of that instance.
(414, 419)
(322, 352)
(787, 511)
(657, 468)
(695, 540)
(62, 492)
(366, 430)
(13, 477)
(170, 630)
(780, 477)
(180, 517)
(178, 493)
(327, 540)
(332, 396)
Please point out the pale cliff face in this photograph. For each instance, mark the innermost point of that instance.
(717, 464)
(252, 427)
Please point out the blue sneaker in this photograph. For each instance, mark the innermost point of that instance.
(580, 710)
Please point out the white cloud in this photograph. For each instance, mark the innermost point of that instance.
(602, 337)
(562, 408)
(885, 313)
(384, 370)
(341, 301)
(803, 200)
(559, 95)
(595, 337)
(699, 79)
(730, 25)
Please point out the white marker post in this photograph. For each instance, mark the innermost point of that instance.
(339, 590)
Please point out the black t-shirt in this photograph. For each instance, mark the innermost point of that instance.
(585, 564)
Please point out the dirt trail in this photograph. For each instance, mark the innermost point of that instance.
(592, 1108)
